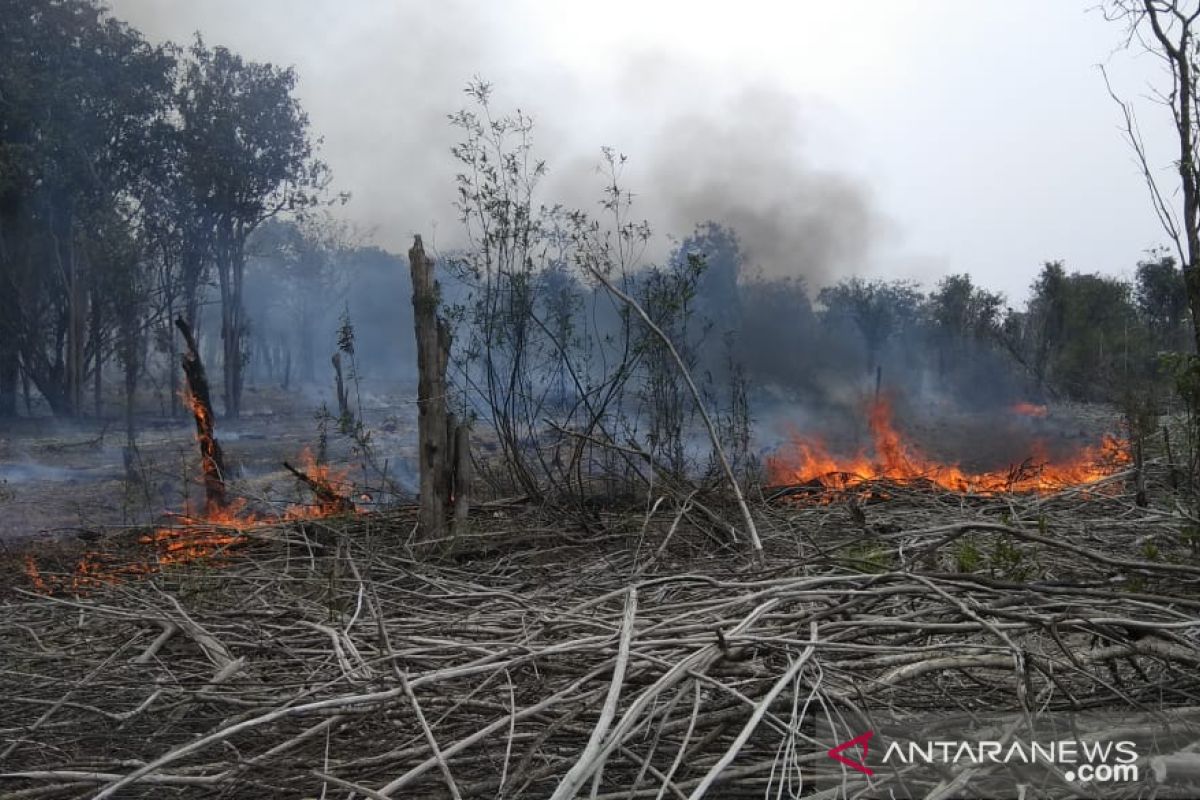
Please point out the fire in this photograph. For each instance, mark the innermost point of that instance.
(808, 461)
(330, 488)
(209, 538)
(1029, 410)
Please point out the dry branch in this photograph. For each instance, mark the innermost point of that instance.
(327, 496)
(747, 517)
(536, 670)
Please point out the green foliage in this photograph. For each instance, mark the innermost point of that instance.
(127, 170)
(967, 555)
(1008, 560)
(1081, 334)
(960, 310)
(1183, 370)
(246, 156)
(870, 557)
(1189, 535)
(83, 99)
(878, 309)
(322, 416)
(540, 347)
(1161, 298)
(667, 294)
(345, 333)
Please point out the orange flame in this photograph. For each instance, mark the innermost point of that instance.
(1029, 410)
(208, 539)
(808, 461)
(335, 481)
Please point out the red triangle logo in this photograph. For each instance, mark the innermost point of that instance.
(861, 740)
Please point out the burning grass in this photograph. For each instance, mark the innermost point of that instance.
(210, 538)
(805, 460)
(326, 658)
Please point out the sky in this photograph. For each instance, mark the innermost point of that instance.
(884, 138)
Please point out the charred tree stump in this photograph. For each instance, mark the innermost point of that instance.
(436, 456)
(212, 460)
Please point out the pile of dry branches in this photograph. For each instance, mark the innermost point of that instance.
(326, 660)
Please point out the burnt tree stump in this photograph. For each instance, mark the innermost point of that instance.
(443, 452)
(212, 460)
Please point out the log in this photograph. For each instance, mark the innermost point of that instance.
(212, 460)
(433, 349)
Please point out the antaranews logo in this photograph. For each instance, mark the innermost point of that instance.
(1081, 760)
(1007, 755)
(860, 741)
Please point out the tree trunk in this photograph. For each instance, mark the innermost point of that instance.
(1181, 54)
(230, 269)
(10, 358)
(212, 460)
(131, 376)
(97, 357)
(307, 347)
(173, 359)
(287, 369)
(64, 249)
(10, 368)
(343, 397)
(239, 349)
(26, 391)
(433, 347)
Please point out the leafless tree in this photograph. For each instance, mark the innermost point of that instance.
(1167, 29)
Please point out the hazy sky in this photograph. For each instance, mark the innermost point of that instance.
(907, 138)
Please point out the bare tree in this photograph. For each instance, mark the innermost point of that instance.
(1167, 29)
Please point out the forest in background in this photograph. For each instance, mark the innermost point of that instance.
(140, 183)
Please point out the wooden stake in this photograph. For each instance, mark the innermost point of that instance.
(433, 348)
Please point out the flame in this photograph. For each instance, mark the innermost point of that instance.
(35, 575)
(335, 486)
(807, 460)
(209, 538)
(1029, 410)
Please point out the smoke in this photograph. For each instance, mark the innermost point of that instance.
(742, 167)
(704, 144)
(379, 79)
